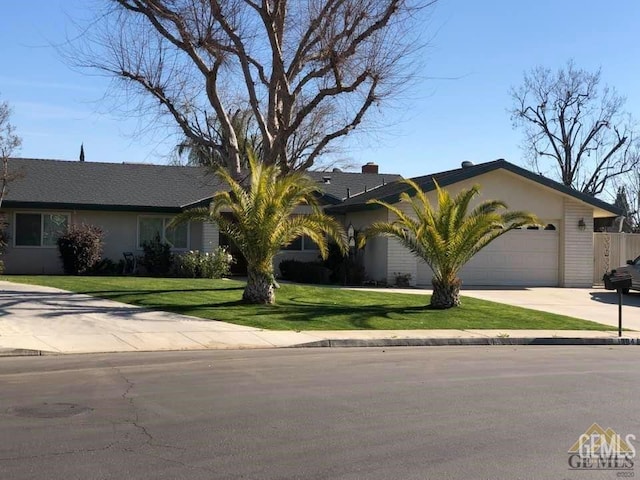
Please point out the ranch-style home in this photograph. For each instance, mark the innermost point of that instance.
(134, 202)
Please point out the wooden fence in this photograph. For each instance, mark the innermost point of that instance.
(611, 250)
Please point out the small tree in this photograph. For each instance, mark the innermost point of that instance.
(157, 257)
(80, 248)
(576, 125)
(448, 236)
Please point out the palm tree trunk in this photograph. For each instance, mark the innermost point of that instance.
(259, 288)
(445, 294)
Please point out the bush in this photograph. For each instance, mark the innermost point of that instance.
(80, 248)
(197, 264)
(4, 237)
(345, 269)
(157, 257)
(304, 272)
(107, 266)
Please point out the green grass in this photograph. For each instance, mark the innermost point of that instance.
(301, 307)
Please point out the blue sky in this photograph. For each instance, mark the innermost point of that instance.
(455, 112)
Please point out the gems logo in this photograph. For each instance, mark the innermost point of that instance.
(600, 449)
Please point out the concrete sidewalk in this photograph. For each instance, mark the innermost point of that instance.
(48, 320)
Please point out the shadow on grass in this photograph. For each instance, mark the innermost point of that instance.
(104, 293)
(299, 315)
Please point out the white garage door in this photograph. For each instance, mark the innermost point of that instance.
(518, 258)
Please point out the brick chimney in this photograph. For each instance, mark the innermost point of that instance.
(370, 167)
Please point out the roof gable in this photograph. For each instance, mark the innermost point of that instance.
(391, 193)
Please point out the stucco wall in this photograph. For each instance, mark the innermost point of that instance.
(517, 192)
(120, 235)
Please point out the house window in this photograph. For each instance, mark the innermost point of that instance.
(150, 227)
(302, 243)
(39, 229)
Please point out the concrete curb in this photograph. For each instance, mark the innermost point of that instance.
(441, 342)
(23, 352)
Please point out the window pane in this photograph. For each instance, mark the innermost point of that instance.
(28, 229)
(310, 244)
(54, 226)
(177, 237)
(295, 245)
(149, 228)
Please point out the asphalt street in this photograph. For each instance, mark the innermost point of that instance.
(498, 412)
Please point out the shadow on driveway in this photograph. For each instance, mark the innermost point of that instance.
(632, 299)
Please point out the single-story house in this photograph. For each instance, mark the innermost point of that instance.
(134, 202)
(559, 253)
(131, 203)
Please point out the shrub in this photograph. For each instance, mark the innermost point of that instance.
(157, 257)
(304, 272)
(4, 237)
(197, 264)
(80, 248)
(107, 266)
(402, 280)
(345, 269)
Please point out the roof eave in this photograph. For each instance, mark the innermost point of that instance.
(89, 206)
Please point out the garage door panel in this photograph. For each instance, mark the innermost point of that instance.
(518, 258)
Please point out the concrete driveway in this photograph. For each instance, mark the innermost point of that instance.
(595, 304)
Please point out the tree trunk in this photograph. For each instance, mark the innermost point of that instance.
(445, 295)
(259, 288)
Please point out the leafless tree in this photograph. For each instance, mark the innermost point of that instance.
(9, 144)
(575, 124)
(625, 191)
(309, 71)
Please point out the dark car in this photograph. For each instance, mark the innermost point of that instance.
(632, 268)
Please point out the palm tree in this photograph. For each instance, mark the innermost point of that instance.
(200, 154)
(448, 236)
(260, 219)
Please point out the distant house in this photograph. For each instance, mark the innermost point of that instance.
(132, 203)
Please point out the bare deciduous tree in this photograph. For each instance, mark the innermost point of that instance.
(627, 198)
(580, 127)
(308, 70)
(9, 143)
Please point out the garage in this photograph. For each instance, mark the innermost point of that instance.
(560, 254)
(518, 258)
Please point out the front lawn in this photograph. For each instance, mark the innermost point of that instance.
(303, 307)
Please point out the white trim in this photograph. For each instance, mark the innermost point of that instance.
(42, 214)
(164, 227)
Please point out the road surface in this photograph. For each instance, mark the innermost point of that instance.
(397, 413)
